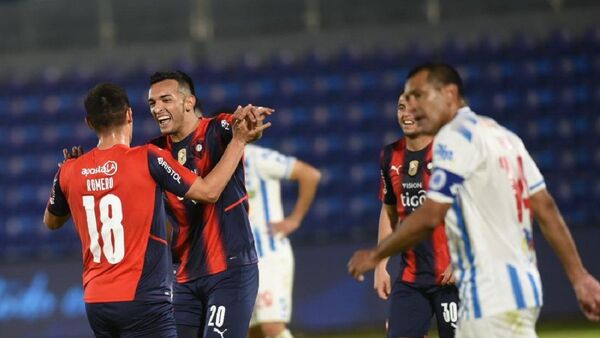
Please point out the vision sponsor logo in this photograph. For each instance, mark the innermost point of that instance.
(174, 175)
(443, 153)
(412, 185)
(109, 168)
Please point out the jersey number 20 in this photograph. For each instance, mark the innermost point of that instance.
(111, 216)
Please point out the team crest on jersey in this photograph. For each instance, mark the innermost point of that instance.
(182, 156)
(413, 167)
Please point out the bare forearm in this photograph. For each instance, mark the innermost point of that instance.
(308, 181)
(54, 222)
(559, 237)
(386, 217)
(413, 228)
(216, 180)
(407, 234)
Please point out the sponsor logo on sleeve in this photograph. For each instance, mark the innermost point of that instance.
(384, 186)
(225, 124)
(174, 175)
(438, 180)
(53, 192)
(109, 169)
(443, 153)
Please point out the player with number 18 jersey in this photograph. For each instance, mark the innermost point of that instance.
(115, 198)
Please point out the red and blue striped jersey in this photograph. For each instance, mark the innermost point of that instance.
(115, 199)
(209, 238)
(404, 182)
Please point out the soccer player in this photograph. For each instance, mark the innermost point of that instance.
(212, 244)
(114, 194)
(265, 168)
(424, 285)
(487, 187)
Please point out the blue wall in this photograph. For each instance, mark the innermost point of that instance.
(44, 298)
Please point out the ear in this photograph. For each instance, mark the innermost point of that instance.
(89, 124)
(190, 103)
(451, 92)
(129, 114)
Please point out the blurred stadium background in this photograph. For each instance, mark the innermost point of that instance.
(333, 69)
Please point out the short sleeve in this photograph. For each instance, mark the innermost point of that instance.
(455, 157)
(224, 126)
(533, 176)
(272, 164)
(57, 203)
(386, 191)
(168, 173)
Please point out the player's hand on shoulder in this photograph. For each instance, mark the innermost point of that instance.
(284, 227)
(587, 290)
(448, 276)
(382, 282)
(75, 152)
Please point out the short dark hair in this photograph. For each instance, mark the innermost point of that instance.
(182, 79)
(441, 74)
(106, 105)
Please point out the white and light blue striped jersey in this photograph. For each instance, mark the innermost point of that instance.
(265, 168)
(486, 173)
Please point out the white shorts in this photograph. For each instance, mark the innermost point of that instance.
(517, 324)
(276, 279)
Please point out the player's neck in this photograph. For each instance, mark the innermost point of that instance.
(113, 137)
(416, 143)
(189, 125)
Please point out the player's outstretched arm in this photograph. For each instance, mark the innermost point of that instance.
(308, 178)
(209, 189)
(556, 232)
(411, 231)
(382, 281)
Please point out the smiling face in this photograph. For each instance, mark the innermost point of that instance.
(406, 120)
(431, 105)
(169, 105)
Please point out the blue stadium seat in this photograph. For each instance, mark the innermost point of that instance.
(335, 110)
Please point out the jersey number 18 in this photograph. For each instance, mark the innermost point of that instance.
(111, 216)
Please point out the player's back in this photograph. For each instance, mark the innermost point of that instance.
(117, 209)
(489, 225)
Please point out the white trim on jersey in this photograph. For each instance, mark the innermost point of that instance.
(484, 171)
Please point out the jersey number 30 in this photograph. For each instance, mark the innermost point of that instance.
(111, 216)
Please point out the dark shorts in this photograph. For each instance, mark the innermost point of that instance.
(217, 305)
(132, 319)
(412, 306)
